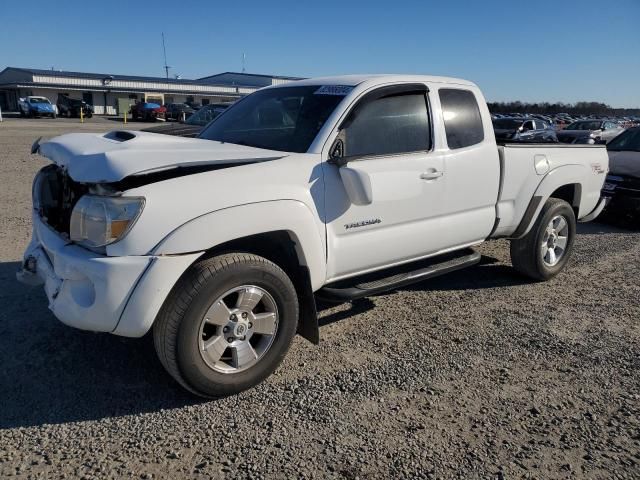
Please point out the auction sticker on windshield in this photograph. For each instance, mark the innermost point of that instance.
(341, 90)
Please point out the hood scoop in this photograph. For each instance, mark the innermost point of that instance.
(120, 135)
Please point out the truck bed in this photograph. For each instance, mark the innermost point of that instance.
(525, 166)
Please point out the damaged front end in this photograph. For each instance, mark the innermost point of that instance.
(55, 194)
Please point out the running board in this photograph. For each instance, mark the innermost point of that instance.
(377, 282)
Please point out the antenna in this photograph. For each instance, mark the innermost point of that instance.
(166, 67)
(244, 62)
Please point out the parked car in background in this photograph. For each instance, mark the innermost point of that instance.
(523, 130)
(590, 132)
(71, 107)
(623, 181)
(148, 111)
(178, 111)
(33, 106)
(193, 125)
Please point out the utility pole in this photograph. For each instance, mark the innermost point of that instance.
(244, 62)
(164, 50)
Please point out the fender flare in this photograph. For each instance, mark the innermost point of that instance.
(221, 226)
(552, 181)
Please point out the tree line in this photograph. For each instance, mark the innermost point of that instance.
(546, 108)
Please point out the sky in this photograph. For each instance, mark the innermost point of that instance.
(533, 50)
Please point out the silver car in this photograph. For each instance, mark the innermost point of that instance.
(590, 131)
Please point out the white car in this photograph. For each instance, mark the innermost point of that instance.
(331, 187)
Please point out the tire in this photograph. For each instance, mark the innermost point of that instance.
(53, 115)
(528, 255)
(180, 331)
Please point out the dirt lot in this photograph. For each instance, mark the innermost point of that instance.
(481, 374)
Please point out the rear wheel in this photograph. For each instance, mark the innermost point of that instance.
(227, 324)
(543, 252)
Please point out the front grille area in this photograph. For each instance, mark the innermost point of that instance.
(54, 196)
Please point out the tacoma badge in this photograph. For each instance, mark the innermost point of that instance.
(363, 223)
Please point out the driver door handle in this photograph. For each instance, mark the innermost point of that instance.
(431, 174)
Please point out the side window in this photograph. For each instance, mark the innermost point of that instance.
(389, 125)
(462, 121)
(528, 125)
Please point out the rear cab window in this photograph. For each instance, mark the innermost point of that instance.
(462, 119)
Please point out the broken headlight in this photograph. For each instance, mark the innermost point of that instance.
(97, 220)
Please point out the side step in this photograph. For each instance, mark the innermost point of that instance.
(396, 277)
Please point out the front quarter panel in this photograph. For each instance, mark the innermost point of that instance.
(221, 226)
(171, 203)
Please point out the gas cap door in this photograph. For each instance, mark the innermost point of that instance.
(541, 163)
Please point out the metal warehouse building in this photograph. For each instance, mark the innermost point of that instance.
(104, 90)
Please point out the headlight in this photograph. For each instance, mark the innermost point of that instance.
(97, 221)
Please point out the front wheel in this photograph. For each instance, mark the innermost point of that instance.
(227, 324)
(543, 252)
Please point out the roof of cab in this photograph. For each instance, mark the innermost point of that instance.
(353, 80)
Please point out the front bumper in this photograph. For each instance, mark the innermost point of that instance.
(90, 291)
(623, 191)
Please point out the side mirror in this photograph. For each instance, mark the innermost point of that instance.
(357, 183)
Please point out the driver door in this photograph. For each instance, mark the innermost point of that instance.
(383, 193)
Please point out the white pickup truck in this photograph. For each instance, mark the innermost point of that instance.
(335, 188)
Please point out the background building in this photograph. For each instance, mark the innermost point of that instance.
(103, 90)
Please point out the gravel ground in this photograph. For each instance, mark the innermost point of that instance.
(480, 374)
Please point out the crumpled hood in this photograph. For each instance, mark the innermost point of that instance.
(624, 163)
(111, 157)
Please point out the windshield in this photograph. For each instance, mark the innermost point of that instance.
(584, 126)
(204, 115)
(284, 118)
(507, 123)
(629, 140)
(39, 100)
